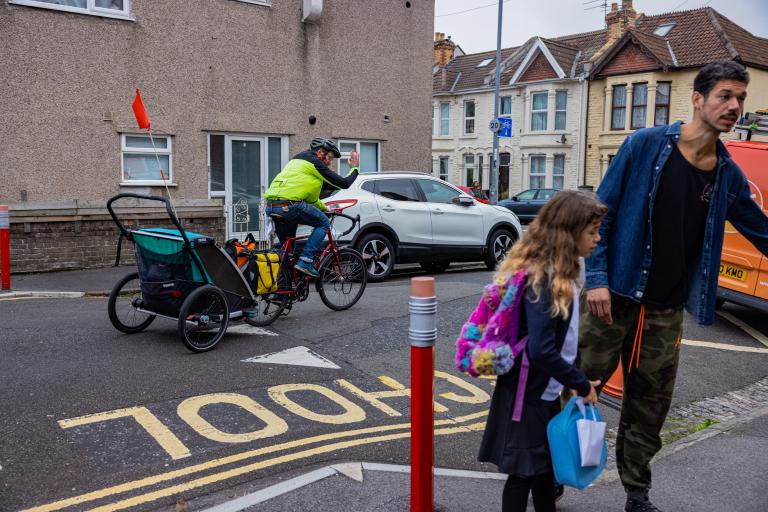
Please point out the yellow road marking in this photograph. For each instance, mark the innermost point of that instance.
(189, 411)
(725, 346)
(353, 413)
(744, 327)
(144, 417)
(155, 479)
(200, 482)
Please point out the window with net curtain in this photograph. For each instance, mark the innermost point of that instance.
(639, 105)
(469, 170)
(661, 116)
(619, 107)
(369, 156)
(146, 159)
(445, 118)
(558, 172)
(538, 111)
(538, 173)
(561, 106)
(117, 5)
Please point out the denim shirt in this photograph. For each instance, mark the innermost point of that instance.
(622, 259)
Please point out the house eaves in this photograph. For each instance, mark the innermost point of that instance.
(672, 54)
(537, 45)
(458, 77)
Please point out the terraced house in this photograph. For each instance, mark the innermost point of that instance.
(233, 89)
(573, 99)
(643, 76)
(543, 91)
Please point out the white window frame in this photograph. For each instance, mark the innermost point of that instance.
(345, 154)
(539, 111)
(228, 136)
(531, 173)
(435, 108)
(558, 156)
(447, 119)
(447, 174)
(469, 118)
(146, 151)
(90, 9)
(564, 111)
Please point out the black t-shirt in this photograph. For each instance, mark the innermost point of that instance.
(679, 216)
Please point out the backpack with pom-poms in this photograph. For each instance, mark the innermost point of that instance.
(488, 343)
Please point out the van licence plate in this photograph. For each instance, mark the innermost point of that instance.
(733, 272)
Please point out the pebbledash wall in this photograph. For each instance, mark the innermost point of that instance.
(216, 66)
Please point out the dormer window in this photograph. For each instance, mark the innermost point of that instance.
(663, 30)
(484, 63)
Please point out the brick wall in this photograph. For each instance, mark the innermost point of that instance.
(630, 59)
(539, 69)
(90, 241)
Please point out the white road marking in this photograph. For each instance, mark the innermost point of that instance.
(744, 327)
(297, 356)
(250, 329)
(353, 470)
(725, 346)
(319, 474)
(40, 295)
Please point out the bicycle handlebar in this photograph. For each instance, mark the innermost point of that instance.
(355, 221)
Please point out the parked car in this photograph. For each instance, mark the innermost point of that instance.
(526, 204)
(476, 193)
(409, 217)
(743, 269)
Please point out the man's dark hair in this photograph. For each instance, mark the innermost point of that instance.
(715, 72)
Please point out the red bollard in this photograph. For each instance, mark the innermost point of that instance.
(422, 334)
(5, 248)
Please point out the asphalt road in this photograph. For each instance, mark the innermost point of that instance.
(96, 419)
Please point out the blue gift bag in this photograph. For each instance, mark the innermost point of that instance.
(564, 447)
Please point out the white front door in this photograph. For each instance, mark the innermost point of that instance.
(241, 168)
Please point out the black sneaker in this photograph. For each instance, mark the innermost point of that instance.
(642, 504)
(559, 491)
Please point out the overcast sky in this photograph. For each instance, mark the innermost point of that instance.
(475, 30)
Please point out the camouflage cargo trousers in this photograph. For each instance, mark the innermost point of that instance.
(649, 364)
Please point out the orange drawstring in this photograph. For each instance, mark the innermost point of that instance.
(636, 346)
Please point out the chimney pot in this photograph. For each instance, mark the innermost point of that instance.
(614, 8)
(439, 36)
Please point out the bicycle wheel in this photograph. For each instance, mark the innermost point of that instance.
(203, 318)
(341, 283)
(269, 306)
(124, 301)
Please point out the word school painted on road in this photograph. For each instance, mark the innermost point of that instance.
(346, 410)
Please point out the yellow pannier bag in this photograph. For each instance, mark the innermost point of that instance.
(268, 264)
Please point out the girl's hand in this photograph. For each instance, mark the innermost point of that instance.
(592, 396)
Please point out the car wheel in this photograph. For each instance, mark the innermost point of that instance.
(500, 242)
(435, 267)
(378, 255)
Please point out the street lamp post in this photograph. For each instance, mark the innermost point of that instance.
(495, 158)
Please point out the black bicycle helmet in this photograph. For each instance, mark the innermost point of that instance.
(326, 144)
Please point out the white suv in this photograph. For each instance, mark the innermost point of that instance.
(409, 217)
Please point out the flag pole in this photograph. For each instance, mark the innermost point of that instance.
(162, 173)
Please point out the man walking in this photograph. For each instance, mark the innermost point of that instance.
(669, 191)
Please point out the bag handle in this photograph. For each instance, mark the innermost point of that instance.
(583, 410)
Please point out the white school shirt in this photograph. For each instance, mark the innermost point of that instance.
(570, 347)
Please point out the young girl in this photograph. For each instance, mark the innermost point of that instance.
(565, 229)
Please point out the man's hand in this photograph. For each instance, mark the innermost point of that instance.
(592, 396)
(354, 159)
(599, 303)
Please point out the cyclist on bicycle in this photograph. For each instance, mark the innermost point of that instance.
(294, 196)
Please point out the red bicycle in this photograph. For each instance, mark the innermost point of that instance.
(341, 279)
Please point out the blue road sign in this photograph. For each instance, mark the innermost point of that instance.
(506, 127)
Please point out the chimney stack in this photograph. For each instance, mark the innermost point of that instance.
(617, 22)
(444, 49)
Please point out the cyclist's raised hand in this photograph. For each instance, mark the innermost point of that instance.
(354, 159)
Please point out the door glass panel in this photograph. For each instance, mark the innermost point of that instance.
(397, 189)
(274, 157)
(246, 185)
(216, 158)
(369, 157)
(437, 192)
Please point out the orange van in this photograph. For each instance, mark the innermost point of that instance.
(743, 269)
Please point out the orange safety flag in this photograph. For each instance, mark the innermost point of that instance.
(138, 110)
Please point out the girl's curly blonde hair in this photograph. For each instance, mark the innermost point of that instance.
(550, 246)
